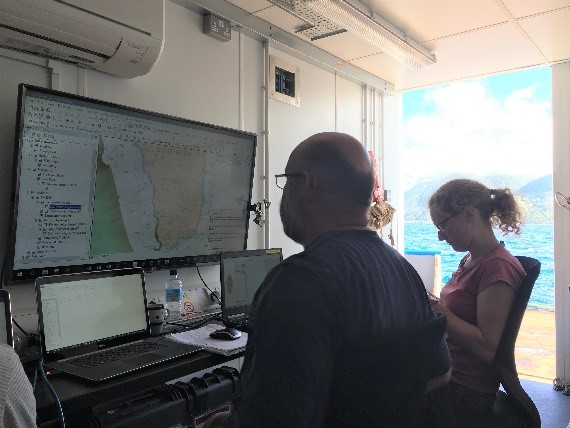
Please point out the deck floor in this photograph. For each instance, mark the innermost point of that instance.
(553, 406)
(535, 350)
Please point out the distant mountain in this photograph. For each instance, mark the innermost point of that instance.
(540, 185)
(537, 196)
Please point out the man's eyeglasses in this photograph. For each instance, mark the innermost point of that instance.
(441, 226)
(281, 179)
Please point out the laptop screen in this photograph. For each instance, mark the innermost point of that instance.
(92, 308)
(241, 274)
(5, 319)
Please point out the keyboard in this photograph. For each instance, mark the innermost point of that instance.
(241, 325)
(114, 354)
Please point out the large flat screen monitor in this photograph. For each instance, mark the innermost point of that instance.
(101, 186)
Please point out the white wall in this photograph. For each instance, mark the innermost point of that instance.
(328, 103)
(199, 78)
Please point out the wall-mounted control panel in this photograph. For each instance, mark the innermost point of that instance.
(284, 81)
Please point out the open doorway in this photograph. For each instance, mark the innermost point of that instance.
(497, 130)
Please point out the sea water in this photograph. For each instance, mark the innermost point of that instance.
(536, 240)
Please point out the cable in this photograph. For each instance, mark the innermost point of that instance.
(213, 294)
(197, 324)
(35, 379)
(32, 338)
(53, 393)
(204, 321)
(2, 272)
(566, 200)
(20, 327)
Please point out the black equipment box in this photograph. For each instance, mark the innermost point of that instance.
(182, 404)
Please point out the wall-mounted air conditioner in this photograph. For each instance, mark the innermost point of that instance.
(119, 37)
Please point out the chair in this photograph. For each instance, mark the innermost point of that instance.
(514, 408)
(391, 372)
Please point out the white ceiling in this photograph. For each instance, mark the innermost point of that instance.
(471, 38)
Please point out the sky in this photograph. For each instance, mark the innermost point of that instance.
(495, 125)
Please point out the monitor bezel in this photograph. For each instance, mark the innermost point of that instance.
(82, 348)
(14, 277)
(5, 301)
(227, 312)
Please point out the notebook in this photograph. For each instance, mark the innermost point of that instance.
(6, 333)
(241, 274)
(95, 325)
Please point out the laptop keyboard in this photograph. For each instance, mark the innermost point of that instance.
(114, 354)
(242, 325)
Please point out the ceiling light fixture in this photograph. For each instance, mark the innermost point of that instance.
(374, 30)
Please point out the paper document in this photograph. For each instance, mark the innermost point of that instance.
(201, 337)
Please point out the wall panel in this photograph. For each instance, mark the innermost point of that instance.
(561, 183)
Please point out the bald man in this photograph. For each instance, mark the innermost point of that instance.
(313, 310)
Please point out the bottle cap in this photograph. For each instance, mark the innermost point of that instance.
(173, 272)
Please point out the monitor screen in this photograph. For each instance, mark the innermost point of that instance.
(103, 186)
(241, 274)
(80, 309)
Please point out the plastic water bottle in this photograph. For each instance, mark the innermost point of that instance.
(173, 296)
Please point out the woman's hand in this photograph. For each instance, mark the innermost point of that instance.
(437, 307)
(482, 339)
(433, 301)
(432, 297)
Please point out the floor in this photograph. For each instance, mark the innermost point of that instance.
(553, 406)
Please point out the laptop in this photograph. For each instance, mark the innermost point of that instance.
(6, 333)
(95, 325)
(241, 274)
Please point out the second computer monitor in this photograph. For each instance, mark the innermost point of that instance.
(241, 274)
(5, 319)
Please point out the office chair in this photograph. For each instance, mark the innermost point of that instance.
(513, 407)
(392, 372)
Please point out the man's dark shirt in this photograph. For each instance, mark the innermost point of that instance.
(344, 289)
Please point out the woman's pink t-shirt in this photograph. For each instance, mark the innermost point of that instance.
(460, 296)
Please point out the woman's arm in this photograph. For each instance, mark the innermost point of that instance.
(482, 340)
(436, 382)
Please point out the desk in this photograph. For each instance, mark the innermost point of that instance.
(78, 397)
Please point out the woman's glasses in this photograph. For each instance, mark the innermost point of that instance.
(441, 226)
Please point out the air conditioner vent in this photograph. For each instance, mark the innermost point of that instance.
(89, 34)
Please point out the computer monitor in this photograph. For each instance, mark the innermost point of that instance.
(241, 274)
(6, 333)
(100, 186)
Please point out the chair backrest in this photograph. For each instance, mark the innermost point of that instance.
(504, 361)
(391, 372)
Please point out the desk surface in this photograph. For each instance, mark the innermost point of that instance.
(79, 397)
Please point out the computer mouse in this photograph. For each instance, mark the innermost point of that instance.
(226, 334)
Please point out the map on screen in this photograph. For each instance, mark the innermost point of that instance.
(100, 183)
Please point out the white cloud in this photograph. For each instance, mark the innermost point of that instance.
(469, 130)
